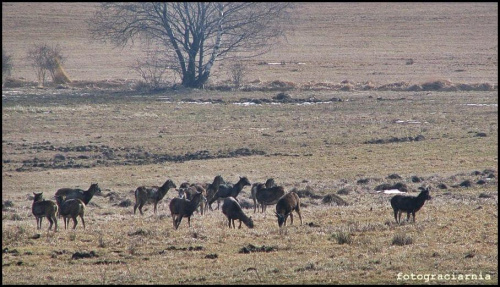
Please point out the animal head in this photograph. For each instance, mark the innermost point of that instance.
(250, 222)
(281, 218)
(270, 183)
(95, 188)
(425, 192)
(182, 192)
(59, 199)
(38, 196)
(245, 181)
(184, 185)
(218, 180)
(170, 184)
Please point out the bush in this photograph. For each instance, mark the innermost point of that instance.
(238, 71)
(45, 58)
(152, 71)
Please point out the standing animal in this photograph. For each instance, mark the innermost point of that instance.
(232, 209)
(409, 204)
(44, 208)
(284, 207)
(187, 191)
(71, 208)
(228, 190)
(212, 189)
(256, 186)
(151, 194)
(182, 207)
(83, 195)
(269, 196)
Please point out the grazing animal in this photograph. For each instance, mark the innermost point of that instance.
(83, 195)
(212, 189)
(228, 190)
(256, 186)
(44, 208)
(269, 196)
(409, 204)
(232, 210)
(151, 194)
(284, 207)
(71, 208)
(188, 191)
(182, 207)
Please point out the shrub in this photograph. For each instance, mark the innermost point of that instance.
(237, 71)
(45, 58)
(152, 71)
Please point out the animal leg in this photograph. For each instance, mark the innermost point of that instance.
(179, 219)
(300, 216)
(75, 222)
(174, 221)
(291, 218)
(83, 221)
(55, 221)
(396, 215)
(51, 222)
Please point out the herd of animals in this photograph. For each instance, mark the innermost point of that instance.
(71, 203)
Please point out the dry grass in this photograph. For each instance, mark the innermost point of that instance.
(93, 132)
(315, 149)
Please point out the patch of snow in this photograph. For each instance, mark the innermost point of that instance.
(390, 191)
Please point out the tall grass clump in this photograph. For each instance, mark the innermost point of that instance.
(341, 237)
(401, 239)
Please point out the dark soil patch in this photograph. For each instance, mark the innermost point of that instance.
(252, 248)
(97, 155)
(386, 186)
(190, 248)
(333, 198)
(395, 140)
(80, 255)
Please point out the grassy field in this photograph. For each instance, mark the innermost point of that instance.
(324, 142)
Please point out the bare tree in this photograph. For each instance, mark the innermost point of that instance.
(45, 58)
(6, 65)
(237, 71)
(194, 35)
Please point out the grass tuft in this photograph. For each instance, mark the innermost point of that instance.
(401, 239)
